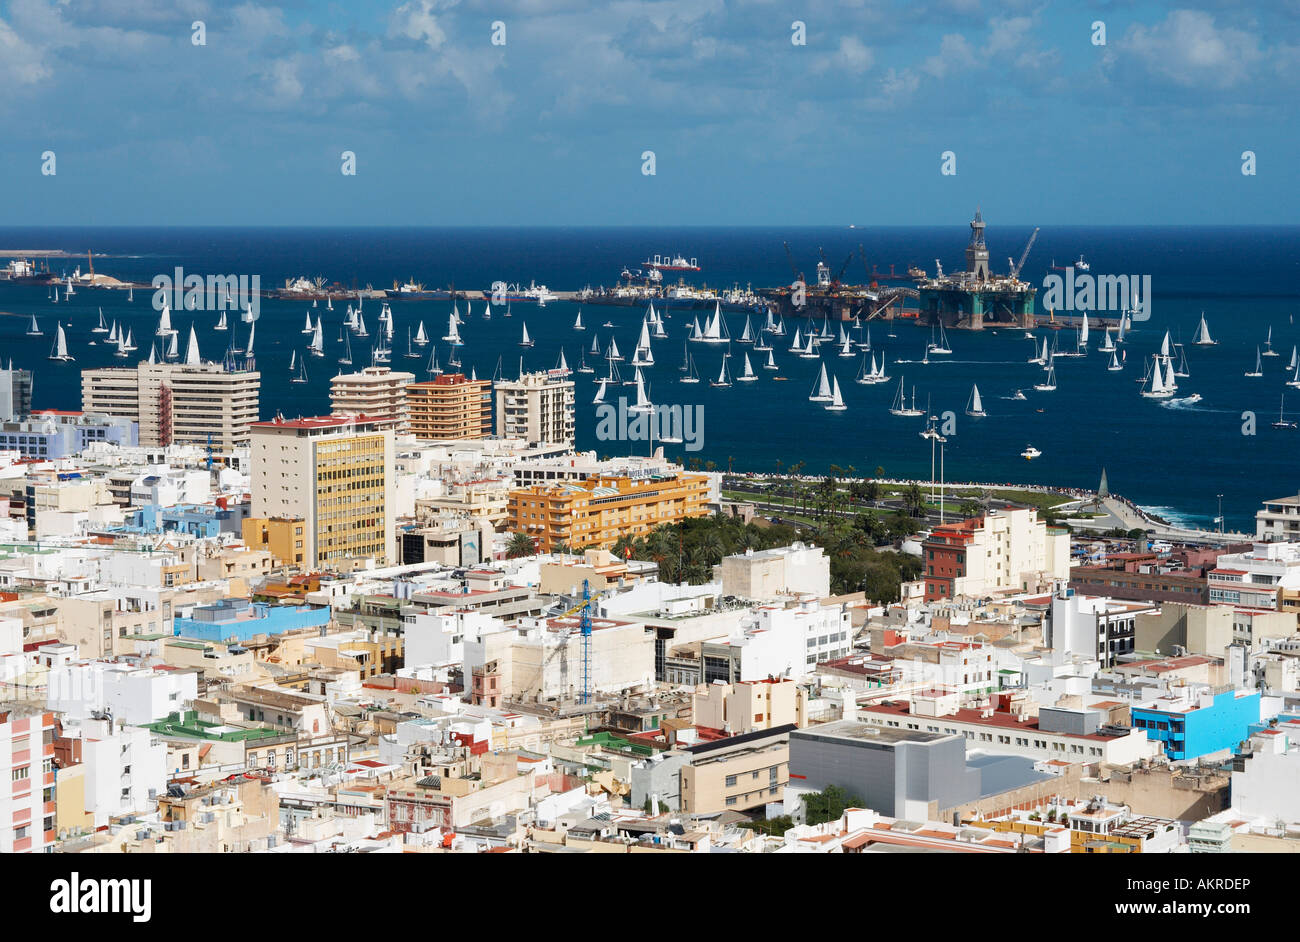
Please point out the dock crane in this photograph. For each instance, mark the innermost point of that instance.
(794, 269)
(1015, 268)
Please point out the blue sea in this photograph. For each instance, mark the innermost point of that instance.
(1173, 456)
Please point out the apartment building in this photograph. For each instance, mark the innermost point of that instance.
(1101, 628)
(27, 791)
(1005, 550)
(1253, 579)
(376, 391)
(749, 706)
(1279, 519)
(740, 773)
(335, 474)
(599, 511)
(536, 407)
(55, 433)
(450, 407)
(177, 403)
(15, 393)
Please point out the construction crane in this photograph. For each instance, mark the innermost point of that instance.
(835, 282)
(584, 627)
(1015, 269)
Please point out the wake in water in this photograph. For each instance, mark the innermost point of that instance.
(1189, 404)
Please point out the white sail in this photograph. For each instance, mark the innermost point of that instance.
(822, 388)
(771, 361)
(976, 406)
(600, 393)
(293, 360)
(308, 326)
(1202, 337)
(837, 399)
(577, 324)
(172, 352)
(745, 335)
(1164, 345)
(453, 334)
(1107, 344)
(421, 338)
(797, 346)
(642, 403)
(191, 350)
(1170, 382)
(748, 376)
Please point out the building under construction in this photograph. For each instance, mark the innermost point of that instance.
(976, 298)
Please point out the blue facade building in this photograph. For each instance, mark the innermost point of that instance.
(242, 620)
(1189, 728)
(198, 520)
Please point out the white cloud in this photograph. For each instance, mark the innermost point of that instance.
(955, 54)
(20, 62)
(417, 21)
(1189, 49)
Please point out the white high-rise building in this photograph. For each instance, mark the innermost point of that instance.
(537, 407)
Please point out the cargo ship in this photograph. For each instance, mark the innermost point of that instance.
(20, 271)
(414, 291)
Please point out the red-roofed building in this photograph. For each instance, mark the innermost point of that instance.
(1008, 550)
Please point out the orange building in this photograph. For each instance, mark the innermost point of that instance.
(450, 407)
(598, 511)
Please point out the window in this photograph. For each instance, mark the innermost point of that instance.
(731, 800)
(20, 774)
(731, 781)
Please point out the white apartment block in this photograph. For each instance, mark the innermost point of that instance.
(130, 694)
(376, 391)
(537, 407)
(1253, 579)
(26, 779)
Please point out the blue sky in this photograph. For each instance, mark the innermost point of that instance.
(747, 128)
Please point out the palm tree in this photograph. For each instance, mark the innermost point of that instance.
(914, 500)
(520, 544)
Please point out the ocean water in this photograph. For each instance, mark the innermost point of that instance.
(1174, 455)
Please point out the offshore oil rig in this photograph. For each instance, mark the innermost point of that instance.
(972, 299)
(831, 298)
(976, 298)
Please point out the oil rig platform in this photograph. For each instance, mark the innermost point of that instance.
(976, 298)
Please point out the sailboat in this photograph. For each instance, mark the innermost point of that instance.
(1295, 379)
(715, 328)
(642, 355)
(582, 363)
(797, 345)
(746, 335)
(130, 295)
(561, 367)
(837, 399)
(900, 407)
(317, 345)
(129, 344)
(121, 350)
(595, 345)
(1082, 340)
(60, 350)
(942, 346)
(453, 332)
(346, 359)
(748, 376)
(975, 407)
(433, 369)
(1202, 338)
(1158, 388)
(1114, 366)
(1181, 369)
(600, 393)
(577, 324)
(821, 391)
(642, 403)
(361, 325)
(1107, 344)
(421, 337)
(308, 327)
(101, 328)
(293, 362)
(691, 376)
(1283, 422)
(810, 352)
(1258, 371)
(1040, 358)
(221, 322)
(410, 353)
(846, 348)
(302, 371)
(771, 361)
(34, 330)
(1268, 344)
(172, 349)
(611, 352)
(1048, 384)
(723, 379)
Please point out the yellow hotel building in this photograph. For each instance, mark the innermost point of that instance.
(598, 511)
(333, 474)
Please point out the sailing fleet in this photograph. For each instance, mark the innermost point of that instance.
(710, 352)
